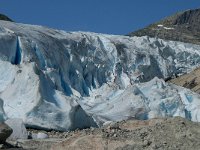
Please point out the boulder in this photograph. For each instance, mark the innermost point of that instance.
(39, 135)
(18, 127)
(5, 132)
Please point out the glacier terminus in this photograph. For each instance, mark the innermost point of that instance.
(59, 80)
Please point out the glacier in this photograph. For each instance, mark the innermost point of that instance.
(141, 101)
(52, 79)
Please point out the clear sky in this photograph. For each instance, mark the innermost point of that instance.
(104, 16)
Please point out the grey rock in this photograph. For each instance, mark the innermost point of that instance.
(5, 132)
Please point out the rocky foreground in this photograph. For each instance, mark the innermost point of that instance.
(171, 133)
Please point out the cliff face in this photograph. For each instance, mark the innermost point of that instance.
(183, 26)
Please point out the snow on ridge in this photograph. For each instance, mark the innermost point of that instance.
(167, 28)
(67, 80)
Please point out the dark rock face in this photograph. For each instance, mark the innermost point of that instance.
(183, 26)
(191, 17)
(4, 17)
(5, 132)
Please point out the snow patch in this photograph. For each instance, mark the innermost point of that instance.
(167, 28)
(160, 25)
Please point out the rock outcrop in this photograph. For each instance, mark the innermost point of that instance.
(5, 132)
(190, 80)
(5, 18)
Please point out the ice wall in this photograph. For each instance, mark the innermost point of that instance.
(55, 80)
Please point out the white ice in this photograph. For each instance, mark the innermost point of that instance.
(61, 80)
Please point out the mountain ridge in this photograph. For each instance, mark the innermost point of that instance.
(182, 26)
(5, 18)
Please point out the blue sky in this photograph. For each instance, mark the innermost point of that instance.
(104, 16)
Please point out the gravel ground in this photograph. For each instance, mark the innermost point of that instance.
(159, 134)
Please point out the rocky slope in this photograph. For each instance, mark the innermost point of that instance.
(4, 17)
(190, 80)
(183, 26)
(66, 80)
